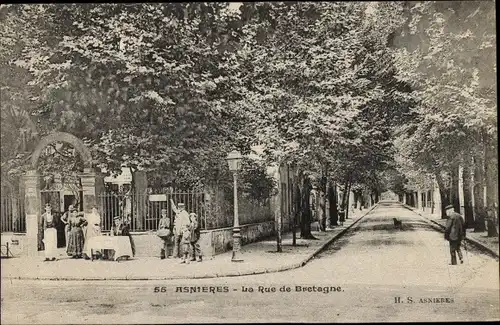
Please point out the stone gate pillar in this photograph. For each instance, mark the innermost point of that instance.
(92, 186)
(33, 210)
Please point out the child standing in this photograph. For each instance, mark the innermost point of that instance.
(186, 243)
(195, 237)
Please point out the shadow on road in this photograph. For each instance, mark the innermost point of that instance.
(389, 227)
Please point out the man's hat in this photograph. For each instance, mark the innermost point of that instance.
(117, 218)
(181, 205)
(449, 206)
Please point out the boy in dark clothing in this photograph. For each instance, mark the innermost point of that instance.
(195, 237)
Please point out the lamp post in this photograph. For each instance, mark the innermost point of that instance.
(234, 161)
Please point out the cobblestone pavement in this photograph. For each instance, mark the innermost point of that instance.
(374, 273)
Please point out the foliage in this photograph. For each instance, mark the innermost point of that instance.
(377, 95)
(446, 53)
(322, 96)
(146, 85)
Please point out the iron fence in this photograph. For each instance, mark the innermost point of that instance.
(13, 218)
(143, 211)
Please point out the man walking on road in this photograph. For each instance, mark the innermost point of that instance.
(180, 222)
(454, 233)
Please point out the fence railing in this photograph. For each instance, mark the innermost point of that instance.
(12, 216)
(143, 211)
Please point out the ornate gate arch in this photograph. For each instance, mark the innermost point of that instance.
(92, 185)
(62, 137)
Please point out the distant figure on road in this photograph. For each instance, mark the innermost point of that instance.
(454, 233)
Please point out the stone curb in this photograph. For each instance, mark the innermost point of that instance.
(441, 228)
(207, 276)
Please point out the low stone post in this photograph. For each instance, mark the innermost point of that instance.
(92, 186)
(33, 210)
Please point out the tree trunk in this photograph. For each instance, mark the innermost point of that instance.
(491, 222)
(330, 203)
(332, 200)
(432, 201)
(491, 173)
(347, 203)
(344, 195)
(466, 181)
(322, 201)
(279, 207)
(442, 195)
(297, 213)
(479, 209)
(306, 216)
(455, 198)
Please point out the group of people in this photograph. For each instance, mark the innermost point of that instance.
(180, 238)
(79, 229)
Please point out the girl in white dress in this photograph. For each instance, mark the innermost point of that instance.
(93, 229)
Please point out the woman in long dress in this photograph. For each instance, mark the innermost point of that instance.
(49, 234)
(76, 239)
(93, 229)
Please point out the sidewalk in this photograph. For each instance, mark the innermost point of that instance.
(480, 239)
(260, 257)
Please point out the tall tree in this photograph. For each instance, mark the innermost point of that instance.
(139, 83)
(446, 54)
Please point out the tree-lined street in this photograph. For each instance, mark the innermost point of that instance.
(273, 124)
(373, 263)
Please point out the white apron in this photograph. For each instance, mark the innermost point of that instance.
(50, 240)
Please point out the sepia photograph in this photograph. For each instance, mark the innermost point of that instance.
(249, 162)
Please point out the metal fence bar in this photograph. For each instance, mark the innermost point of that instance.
(6, 220)
(12, 216)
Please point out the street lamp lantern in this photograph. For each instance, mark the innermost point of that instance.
(234, 162)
